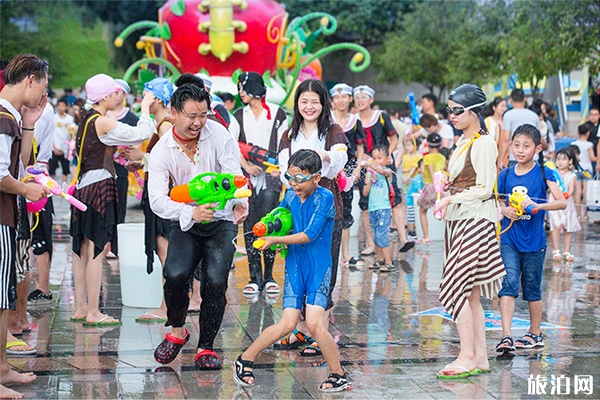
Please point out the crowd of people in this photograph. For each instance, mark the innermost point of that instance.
(336, 145)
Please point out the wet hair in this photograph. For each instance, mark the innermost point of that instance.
(529, 131)
(63, 100)
(324, 121)
(570, 154)
(517, 95)
(189, 92)
(443, 112)
(391, 110)
(428, 120)
(23, 66)
(190, 79)
(226, 96)
(381, 147)
(431, 97)
(306, 160)
(583, 129)
(488, 110)
(575, 149)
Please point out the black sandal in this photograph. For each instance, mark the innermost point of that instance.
(312, 350)
(240, 372)
(506, 344)
(207, 360)
(338, 383)
(169, 348)
(285, 343)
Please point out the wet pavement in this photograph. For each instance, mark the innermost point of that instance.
(387, 350)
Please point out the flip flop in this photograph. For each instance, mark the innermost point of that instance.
(103, 322)
(465, 374)
(155, 319)
(75, 319)
(478, 371)
(17, 343)
(407, 246)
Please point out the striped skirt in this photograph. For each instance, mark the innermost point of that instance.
(472, 258)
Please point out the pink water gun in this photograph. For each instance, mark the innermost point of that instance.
(439, 183)
(122, 160)
(345, 182)
(70, 152)
(42, 179)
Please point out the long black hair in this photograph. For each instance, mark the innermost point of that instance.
(324, 121)
(488, 110)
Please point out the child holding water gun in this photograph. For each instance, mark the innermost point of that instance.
(307, 271)
(565, 221)
(410, 171)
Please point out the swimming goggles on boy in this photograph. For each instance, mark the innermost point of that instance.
(299, 178)
(460, 110)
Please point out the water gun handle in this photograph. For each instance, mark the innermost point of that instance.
(438, 214)
(73, 201)
(258, 243)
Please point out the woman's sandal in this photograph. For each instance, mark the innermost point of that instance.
(286, 344)
(207, 360)
(241, 370)
(169, 348)
(505, 344)
(338, 383)
(556, 255)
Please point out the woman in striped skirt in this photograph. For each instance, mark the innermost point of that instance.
(473, 265)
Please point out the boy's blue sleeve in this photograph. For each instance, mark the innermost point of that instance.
(286, 202)
(550, 176)
(324, 210)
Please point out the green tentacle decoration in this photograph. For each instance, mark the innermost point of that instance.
(295, 38)
(360, 61)
(156, 60)
(133, 27)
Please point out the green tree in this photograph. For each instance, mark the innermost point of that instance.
(364, 22)
(441, 44)
(550, 36)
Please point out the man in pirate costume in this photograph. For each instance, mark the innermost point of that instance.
(378, 130)
(22, 101)
(261, 124)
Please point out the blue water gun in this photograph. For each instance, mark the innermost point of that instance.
(558, 178)
(414, 113)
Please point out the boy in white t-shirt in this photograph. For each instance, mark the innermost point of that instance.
(586, 158)
(62, 136)
(431, 124)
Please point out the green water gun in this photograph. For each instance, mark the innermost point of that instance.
(211, 187)
(276, 223)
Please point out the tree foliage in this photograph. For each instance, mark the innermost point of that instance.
(363, 22)
(444, 43)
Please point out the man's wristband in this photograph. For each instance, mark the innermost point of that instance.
(27, 129)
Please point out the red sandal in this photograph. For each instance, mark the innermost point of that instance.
(168, 349)
(207, 360)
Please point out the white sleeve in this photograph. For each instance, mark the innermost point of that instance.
(158, 193)
(44, 136)
(5, 150)
(124, 134)
(338, 157)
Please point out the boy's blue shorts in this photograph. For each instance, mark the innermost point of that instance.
(310, 290)
(524, 267)
(380, 225)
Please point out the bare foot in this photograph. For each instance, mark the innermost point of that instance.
(6, 393)
(159, 313)
(12, 376)
(102, 318)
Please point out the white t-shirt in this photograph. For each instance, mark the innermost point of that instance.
(584, 157)
(61, 131)
(446, 132)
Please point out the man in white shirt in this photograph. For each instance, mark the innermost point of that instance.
(200, 236)
(511, 120)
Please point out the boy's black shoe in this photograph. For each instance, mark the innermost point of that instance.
(37, 297)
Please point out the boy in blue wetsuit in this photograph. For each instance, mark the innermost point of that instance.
(523, 241)
(307, 272)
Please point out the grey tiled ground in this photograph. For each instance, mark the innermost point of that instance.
(387, 351)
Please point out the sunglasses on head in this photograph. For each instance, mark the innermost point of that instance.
(460, 110)
(299, 178)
